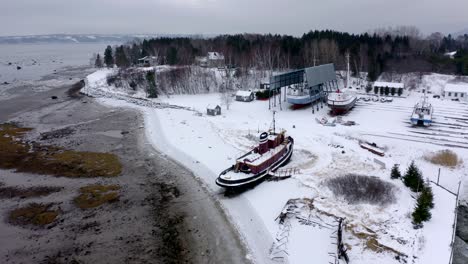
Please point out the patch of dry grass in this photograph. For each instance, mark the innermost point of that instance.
(35, 214)
(96, 195)
(35, 158)
(371, 241)
(362, 189)
(445, 158)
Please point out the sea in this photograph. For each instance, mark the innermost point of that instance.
(27, 62)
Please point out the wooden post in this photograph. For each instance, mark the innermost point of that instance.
(438, 176)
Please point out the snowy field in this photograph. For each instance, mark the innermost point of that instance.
(374, 233)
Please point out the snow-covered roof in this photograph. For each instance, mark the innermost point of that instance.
(451, 54)
(389, 84)
(243, 93)
(215, 56)
(147, 58)
(456, 87)
(212, 107)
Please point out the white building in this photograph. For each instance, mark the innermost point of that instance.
(212, 59)
(456, 91)
(451, 54)
(148, 61)
(245, 96)
(393, 88)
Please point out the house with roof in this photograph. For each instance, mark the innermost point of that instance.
(213, 110)
(451, 54)
(148, 61)
(211, 60)
(456, 91)
(245, 96)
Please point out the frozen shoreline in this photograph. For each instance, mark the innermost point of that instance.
(251, 230)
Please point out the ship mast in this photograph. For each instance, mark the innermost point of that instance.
(347, 73)
(274, 112)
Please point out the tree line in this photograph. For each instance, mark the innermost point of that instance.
(399, 50)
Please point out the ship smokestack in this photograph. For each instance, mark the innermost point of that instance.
(263, 146)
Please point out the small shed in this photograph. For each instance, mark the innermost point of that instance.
(245, 96)
(213, 111)
(456, 91)
(211, 60)
(148, 61)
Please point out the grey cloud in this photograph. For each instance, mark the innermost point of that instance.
(295, 17)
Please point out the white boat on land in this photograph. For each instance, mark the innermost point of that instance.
(299, 94)
(274, 150)
(341, 102)
(422, 113)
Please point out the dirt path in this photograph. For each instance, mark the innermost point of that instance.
(163, 214)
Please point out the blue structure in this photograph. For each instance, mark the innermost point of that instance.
(307, 85)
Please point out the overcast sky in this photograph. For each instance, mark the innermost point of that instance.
(25, 17)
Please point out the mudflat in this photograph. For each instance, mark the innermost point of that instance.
(153, 211)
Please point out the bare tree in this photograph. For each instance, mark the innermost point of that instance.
(227, 87)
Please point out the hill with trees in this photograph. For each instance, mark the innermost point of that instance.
(398, 50)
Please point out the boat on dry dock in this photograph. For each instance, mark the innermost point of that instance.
(273, 151)
(341, 102)
(422, 113)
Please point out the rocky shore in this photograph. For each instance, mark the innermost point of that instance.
(162, 214)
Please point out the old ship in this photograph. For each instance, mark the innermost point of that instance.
(341, 102)
(273, 151)
(422, 113)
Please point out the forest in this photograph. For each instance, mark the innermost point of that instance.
(400, 50)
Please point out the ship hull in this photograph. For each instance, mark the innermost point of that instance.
(302, 100)
(252, 179)
(421, 122)
(341, 108)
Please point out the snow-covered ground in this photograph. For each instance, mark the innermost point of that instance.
(374, 233)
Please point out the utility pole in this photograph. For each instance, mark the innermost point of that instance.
(347, 72)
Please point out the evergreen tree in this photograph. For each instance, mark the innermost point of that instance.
(121, 59)
(98, 62)
(393, 91)
(172, 58)
(395, 174)
(376, 89)
(151, 89)
(108, 58)
(421, 212)
(427, 197)
(424, 204)
(387, 90)
(400, 91)
(135, 54)
(413, 178)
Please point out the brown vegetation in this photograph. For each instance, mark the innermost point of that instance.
(96, 195)
(445, 158)
(362, 189)
(34, 158)
(35, 214)
(371, 242)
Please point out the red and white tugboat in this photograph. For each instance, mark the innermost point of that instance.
(273, 151)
